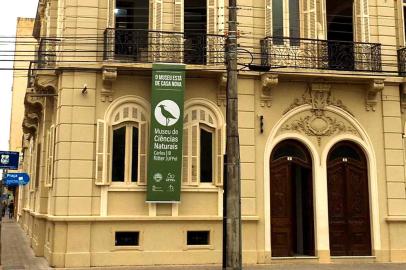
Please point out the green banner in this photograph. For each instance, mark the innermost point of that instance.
(165, 150)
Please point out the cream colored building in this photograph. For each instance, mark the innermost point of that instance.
(25, 48)
(321, 134)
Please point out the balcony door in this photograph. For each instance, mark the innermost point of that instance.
(132, 24)
(195, 31)
(340, 34)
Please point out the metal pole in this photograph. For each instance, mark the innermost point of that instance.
(233, 196)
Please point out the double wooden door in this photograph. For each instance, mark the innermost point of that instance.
(292, 230)
(348, 206)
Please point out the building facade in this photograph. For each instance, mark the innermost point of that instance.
(321, 133)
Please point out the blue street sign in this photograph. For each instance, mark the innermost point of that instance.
(15, 179)
(9, 160)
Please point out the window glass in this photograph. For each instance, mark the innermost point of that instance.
(198, 238)
(277, 18)
(294, 21)
(289, 149)
(206, 156)
(132, 14)
(344, 151)
(134, 155)
(127, 238)
(118, 158)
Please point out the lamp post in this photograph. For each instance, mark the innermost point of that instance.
(233, 260)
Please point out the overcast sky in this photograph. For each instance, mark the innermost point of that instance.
(9, 11)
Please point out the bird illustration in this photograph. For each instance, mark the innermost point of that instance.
(168, 116)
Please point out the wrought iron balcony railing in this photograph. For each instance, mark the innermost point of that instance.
(131, 45)
(31, 74)
(402, 61)
(321, 54)
(46, 54)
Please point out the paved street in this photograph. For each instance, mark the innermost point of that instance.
(17, 255)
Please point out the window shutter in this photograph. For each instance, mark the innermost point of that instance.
(211, 17)
(155, 38)
(212, 29)
(194, 179)
(186, 160)
(50, 171)
(309, 19)
(142, 153)
(178, 19)
(219, 158)
(321, 20)
(362, 21)
(101, 154)
(178, 16)
(47, 161)
(268, 18)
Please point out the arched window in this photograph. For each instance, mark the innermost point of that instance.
(203, 147)
(122, 143)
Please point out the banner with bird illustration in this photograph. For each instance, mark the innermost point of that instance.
(165, 147)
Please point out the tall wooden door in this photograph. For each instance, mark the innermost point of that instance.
(281, 209)
(348, 203)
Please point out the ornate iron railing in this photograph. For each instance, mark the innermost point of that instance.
(320, 54)
(46, 54)
(31, 74)
(131, 45)
(402, 61)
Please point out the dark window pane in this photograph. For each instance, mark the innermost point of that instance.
(344, 151)
(404, 19)
(277, 20)
(127, 238)
(134, 154)
(198, 238)
(289, 149)
(206, 156)
(118, 162)
(132, 14)
(294, 23)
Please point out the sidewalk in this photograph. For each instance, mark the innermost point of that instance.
(17, 255)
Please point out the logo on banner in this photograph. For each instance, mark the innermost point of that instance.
(5, 159)
(167, 113)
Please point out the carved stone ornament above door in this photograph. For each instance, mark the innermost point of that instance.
(323, 125)
(318, 121)
(319, 96)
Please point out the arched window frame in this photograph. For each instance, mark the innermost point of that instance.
(202, 115)
(129, 112)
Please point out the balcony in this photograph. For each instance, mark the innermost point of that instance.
(320, 54)
(46, 54)
(402, 62)
(140, 46)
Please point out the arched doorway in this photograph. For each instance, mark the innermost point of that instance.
(348, 201)
(291, 192)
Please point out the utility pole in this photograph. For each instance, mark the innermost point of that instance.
(233, 197)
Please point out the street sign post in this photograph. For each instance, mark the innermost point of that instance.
(16, 179)
(9, 160)
(166, 133)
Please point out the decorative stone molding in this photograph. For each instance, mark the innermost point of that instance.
(267, 82)
(109, 76)
(221, 90)
(371, 96)
(318, 125)
(29, 126)
(46, 83)
(318, 95)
